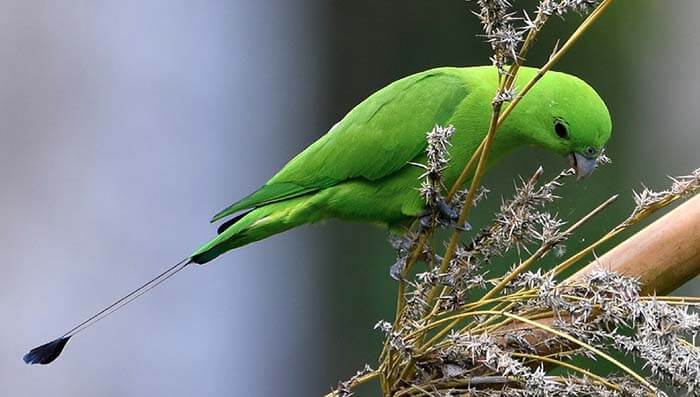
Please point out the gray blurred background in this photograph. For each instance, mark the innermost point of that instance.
(125, 125)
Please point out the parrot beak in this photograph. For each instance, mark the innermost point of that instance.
(583, 165)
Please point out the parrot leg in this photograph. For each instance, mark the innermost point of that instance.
(447, 215)
(397, 269)
(447, 211)
(452, 216)
(404, 246)
(426, 221)
(464, 228)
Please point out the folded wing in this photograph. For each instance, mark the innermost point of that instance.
(375, 139)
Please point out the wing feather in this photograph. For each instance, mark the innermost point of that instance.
(375, 139)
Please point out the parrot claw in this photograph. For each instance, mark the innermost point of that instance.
(464, 228)
(425, 221)
(451, 215)
(445, 214)
(447, 211)
(396, 270)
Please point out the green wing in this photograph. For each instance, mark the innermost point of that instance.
(377, 138)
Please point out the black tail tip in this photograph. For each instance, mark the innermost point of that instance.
(46, 353)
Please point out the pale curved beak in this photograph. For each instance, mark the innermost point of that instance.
(583, 165)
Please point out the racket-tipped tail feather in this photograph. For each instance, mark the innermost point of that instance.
(46, 353)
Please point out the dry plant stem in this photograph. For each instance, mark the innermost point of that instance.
(544, 249)
(632, 220)
(645, 255)
(386, 355)
(548, 329)
(421, 242)
(586, 251)
(454, 239)
(459, 384)
(590, 348)
(464, 214)
(521, 268)
(534, 315)
(471, 381)
(507, 300)
(362, 379)
(558, 54)
(465, 172)
(569, 366)
(664, 256)
(435, 343)
(614, 232)
(674, 300)
(412, 259)
(508, 83)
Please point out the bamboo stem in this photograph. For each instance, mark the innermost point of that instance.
(664, 255)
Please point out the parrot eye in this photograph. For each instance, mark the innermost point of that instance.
(590, 151)
(560, 129)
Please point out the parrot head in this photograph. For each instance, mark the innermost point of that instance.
(563, 114)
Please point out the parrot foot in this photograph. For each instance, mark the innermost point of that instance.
(397, 269)
(425, 221)
(451, 215)
(464, 228)
(447, 211)
(447, 216)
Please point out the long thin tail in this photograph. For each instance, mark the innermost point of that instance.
(48, 352)
(246, 228)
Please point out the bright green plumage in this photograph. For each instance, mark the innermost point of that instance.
(359, 170)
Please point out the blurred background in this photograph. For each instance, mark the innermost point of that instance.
(125, 125)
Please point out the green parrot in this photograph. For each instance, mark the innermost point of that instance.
(361, 170)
